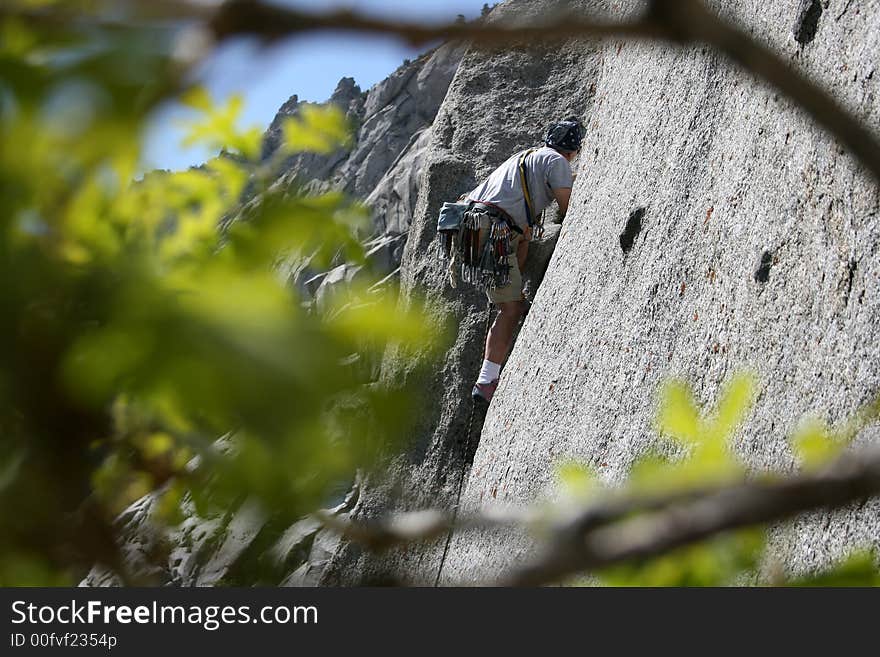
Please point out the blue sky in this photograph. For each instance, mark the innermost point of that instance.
(309, 66)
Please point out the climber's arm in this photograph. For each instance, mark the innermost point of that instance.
(562, 194)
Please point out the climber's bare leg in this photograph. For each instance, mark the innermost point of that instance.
(500, 336)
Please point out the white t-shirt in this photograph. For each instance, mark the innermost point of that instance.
(546, 170)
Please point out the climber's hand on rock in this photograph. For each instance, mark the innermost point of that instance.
(527, 234)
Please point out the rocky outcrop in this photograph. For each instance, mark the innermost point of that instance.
(393, 123)
(392, 126)
(348, 97)
(395, 110)
(393, 199)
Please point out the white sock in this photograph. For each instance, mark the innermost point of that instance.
(489, 372)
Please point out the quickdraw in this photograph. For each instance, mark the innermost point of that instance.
(485, 249)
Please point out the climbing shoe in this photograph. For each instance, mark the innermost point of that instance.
(483, 392)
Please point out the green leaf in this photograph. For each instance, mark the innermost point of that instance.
(736, 400)
(859, 569)
(217, 126)
(16, 40)
(316, 129)
(100, 363)
(576, 479)
(814, 444)
(199, 99)
(677, 415)
(722, 561)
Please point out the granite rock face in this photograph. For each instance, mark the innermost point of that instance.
(395, 110)
(713, 228)
(498, 102)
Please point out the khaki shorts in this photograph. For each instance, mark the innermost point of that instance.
(513, 290)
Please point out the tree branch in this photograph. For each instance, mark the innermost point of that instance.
(426, 525)
(631, 528)
(847, 479)
(267, 21)
(680, 21)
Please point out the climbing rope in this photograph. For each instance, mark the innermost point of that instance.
(467, 450)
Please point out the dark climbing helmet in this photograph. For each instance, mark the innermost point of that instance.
(565, 135)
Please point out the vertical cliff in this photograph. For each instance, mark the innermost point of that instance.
(712, 228)
(498, 102)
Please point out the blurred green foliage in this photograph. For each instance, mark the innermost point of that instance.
(134, 332)
(701, 456)
(316, 130)
(815, 441)
(859, 569)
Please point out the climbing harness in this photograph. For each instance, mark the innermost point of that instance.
(479, 247)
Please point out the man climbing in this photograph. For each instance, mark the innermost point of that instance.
(548, 177)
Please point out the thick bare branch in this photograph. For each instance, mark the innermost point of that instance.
(273, 22)
(848, 479)
(681, 21)
(426, 525)
(625, 529)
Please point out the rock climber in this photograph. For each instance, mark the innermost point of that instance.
(548, 177)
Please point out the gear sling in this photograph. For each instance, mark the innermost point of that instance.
(477, 235)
